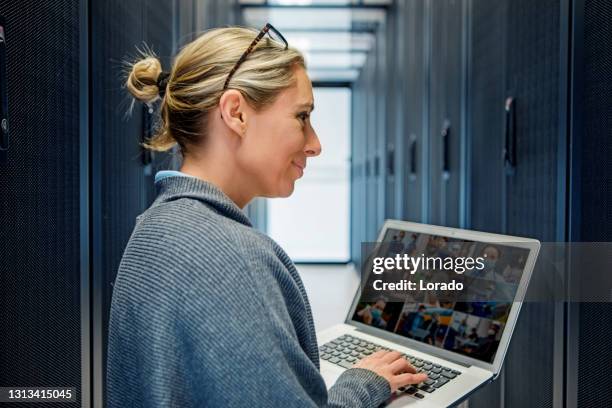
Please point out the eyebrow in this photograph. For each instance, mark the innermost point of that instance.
(307, 105)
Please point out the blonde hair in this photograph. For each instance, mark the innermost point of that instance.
(195, 82)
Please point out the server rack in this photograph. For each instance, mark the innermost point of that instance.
(43, 229)
(531, 107)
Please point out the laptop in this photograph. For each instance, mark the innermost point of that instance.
(461, 341)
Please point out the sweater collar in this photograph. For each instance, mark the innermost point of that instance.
(177, 185)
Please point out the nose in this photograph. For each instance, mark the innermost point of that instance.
(313, 144)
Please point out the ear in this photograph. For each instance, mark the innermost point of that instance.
(233, 107)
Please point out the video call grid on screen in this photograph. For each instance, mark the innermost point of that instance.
(473, 328)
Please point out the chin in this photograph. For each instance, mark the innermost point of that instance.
(286, 190)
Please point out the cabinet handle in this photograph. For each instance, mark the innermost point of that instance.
(509, 151)
(446, 130)
(4, 125)
(391, 162)
(376, 166)
(413, 156)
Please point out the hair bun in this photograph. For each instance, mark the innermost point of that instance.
(143, 78)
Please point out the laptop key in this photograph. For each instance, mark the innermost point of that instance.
(427, 367)
(419, 395)
(410, 390)
(448, 374)
(345, 364)
(429, 382)
(433, 376)
(426, 388)
(436, 370)
(441, 381)
(334, 360)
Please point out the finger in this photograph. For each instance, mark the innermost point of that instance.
(401, 365)
(391, 356)
(377, 354)
(405, 379)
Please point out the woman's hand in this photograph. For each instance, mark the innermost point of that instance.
(393, 367)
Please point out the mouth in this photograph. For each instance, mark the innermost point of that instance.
(300, 167)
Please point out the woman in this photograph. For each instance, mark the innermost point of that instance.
(207, 311)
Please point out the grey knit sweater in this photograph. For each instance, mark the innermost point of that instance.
(209, 312)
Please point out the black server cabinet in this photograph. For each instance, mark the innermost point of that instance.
(590, 324)
(394, 37)
(445, 119)
(532, 201)
(358, 169)
(485, 121)
(516, 161)
(369, 148)
(412, 168)
(371, 145)
(486, 114)
(122, 171)
(44, 339)
(379, 90)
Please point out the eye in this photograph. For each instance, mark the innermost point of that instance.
(303, 115)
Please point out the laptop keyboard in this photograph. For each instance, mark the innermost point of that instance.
(347, 350)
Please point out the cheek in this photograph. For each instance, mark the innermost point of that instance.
(268, 155)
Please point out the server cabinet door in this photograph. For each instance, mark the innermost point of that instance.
(486, 114)
(513, 144)
(379, 92)
(412, 118)
(485, 118)
(119, 186)
(371, 146)
(445, 112)
(42, 338)
(358, 186)
(532, 79)
(393, 154)
(591, 217)
(121, 169)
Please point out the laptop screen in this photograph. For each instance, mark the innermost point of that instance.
(472, 328)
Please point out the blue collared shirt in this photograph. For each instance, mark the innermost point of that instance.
(160, 175)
